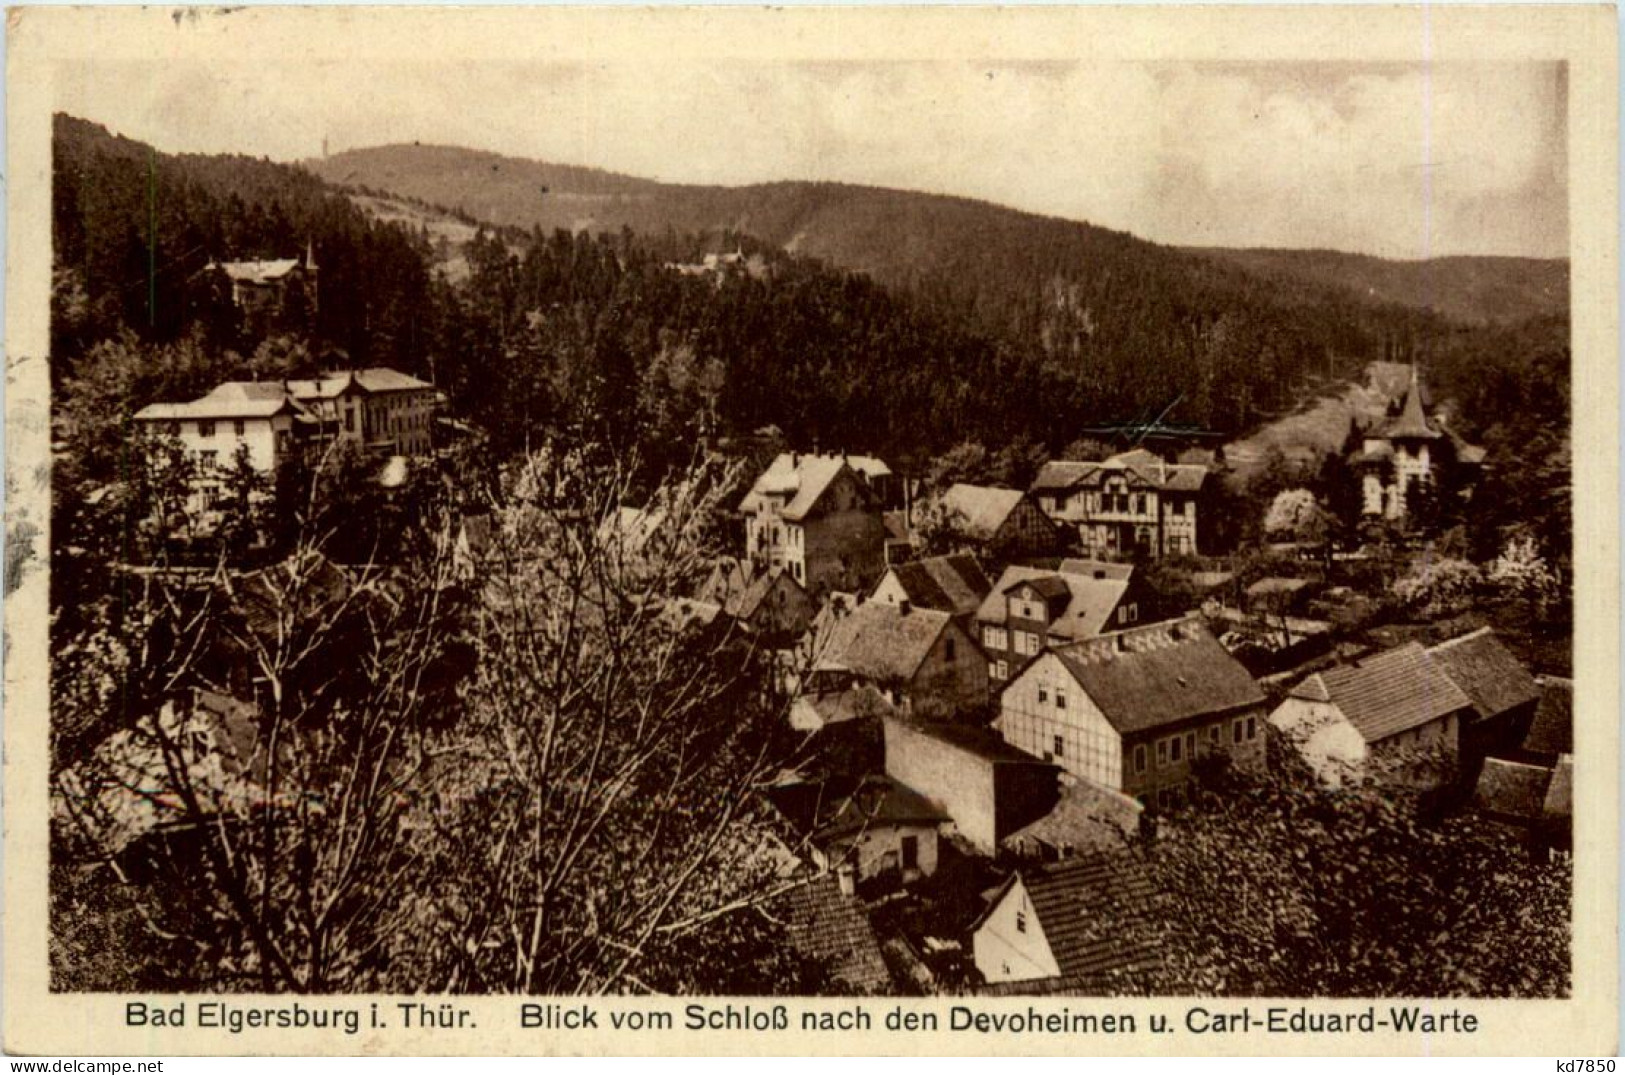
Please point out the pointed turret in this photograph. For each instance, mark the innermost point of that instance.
(1412, 422)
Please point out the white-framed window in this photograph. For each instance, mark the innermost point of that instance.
(1021, 921)
(1043, 694)
(995, 638)
(999, 669)
(205, 429)
(1252, 727)
(1059, 746)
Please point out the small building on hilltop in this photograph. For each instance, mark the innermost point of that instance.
(820, 518)
(1133, 711)
(1395, 715)
(1132, 505)
(1411, 450)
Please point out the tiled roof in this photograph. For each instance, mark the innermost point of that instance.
(1388, 693)
(1085, 817)
(953, 584)
(881, 642)
(750, 601)
(879, 801)
(1552, 730)
(1094, 911)
(372, 379)
(1088, 607)
(803, 480)
(1486, 672)
(1510, 789)
(1186, 676)
(831, 928)
(982, 508)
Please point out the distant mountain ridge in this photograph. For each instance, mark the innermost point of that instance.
(907, 238)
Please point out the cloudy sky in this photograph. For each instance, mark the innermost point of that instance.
(1396, 160)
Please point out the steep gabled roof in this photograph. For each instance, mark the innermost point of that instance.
(1510, 789)
(1085, 613)
(259, 272)
(749, 602)
(983, 509)
(1388, 693)
(1486, 672)
(875, 803)
(1139, 467)
(803, 480)
(953, 584)
(1098, 914)
(883, 643)
(1187, 675)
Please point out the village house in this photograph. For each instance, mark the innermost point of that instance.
(1502, 692)
(1131, 505)
(952, 584)
(1085, 926)
(988, 788)
(1133, 711)
(920, 659)
(380, 409)
(1031, 610)
(1003, 524)
(264, 289)
(1412, 448)
(882, 829)
(1395, 715)
(767, 603)
(820, 518)
(1529, 787)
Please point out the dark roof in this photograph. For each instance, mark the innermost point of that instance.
(1486, 672)
(882, 642)
(1100, 569)
(1552, 730)
(832, 929)
(1171, 680)
(1092, 910)
(804, 479)
(750, 601)
(981, 742)
(1510, 789)
(1141, 468)
(952, 584)
(1085, 817)
(1412, 421)
(1560, 792)
(1388, 693)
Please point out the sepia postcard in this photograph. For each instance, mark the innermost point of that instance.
(917, 530)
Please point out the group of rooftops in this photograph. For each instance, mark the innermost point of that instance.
(264, 399)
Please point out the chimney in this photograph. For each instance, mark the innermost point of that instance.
(847, 876)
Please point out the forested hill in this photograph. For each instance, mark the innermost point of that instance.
(1475, 290)
(979, 252)
(1023, 327)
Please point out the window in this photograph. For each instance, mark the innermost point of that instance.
(1252, 727)
(999, 670)
(1131, 613)
(911, 852)
(1162, 753)
(1174, 749)
(1058, 751)
(1235, 731)
(1043, 694)
(1139, 758)
(1021, 921)
(239, 427)
(205, 429)
(995, 638)
(1190, 745)
(949, 656)
(1060, 699)
(207, 457)
(1213, 735)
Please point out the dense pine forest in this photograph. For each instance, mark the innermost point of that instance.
(1035, 328)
